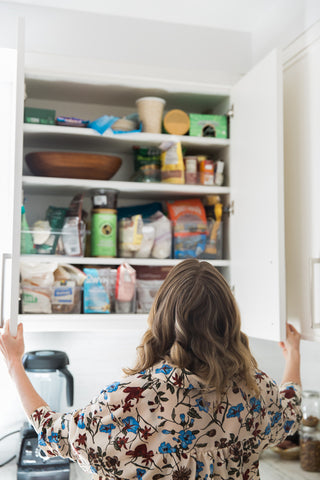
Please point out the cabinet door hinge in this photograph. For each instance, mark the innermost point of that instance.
(229, 209)
(230, 112)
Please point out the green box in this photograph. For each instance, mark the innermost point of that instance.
(40, 116)
(208, 125)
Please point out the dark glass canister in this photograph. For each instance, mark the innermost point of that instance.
(310, 431)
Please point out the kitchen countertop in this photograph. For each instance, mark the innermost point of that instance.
(272, 467)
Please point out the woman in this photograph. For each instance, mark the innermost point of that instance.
(194, 406)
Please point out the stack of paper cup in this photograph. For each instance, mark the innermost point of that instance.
(150, 110)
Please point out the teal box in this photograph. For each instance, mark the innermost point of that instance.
(208, 125)
(39, 116)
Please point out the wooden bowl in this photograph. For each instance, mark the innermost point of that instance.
(73, 165)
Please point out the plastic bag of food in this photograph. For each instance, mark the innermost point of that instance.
(189, 227)
(36, 286)
(98, 290)
(125, 289)
(162, 237)
(66, 291)
(172, 165)
(130, 235)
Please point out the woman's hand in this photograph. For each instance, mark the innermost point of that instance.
(292, 343)
(291, 352)
(11, 347)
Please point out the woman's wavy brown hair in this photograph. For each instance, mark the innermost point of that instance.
(194, 323)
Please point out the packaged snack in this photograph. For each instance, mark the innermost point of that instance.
(130, 235)
(146, 164)
(162, 236)
(148, 238)
(189, 227)
(97, 290)
(172, 166)
(73, 231)
(125, 289)
(72, 122)
(214, 242)
(149, 280)
(37, 280)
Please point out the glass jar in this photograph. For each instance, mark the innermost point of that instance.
(310, 432)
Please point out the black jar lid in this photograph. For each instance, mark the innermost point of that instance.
(45, 360)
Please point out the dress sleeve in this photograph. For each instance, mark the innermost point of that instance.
(79, 434)
(283, 411)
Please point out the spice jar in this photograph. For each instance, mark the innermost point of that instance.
(310, 432)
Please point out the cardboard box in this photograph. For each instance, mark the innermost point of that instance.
(39, 116)
(208, 125)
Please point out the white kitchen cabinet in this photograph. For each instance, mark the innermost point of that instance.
(302, 181)
(11, 101)
(254, 252)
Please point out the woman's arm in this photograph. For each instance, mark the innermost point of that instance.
(12, 349)
(291, 352)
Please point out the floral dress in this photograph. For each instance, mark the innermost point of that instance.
(163, 423)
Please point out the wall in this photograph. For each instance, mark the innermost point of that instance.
(131, 46)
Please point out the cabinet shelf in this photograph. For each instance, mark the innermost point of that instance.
(83, 322)
(152, 262)
(48, 136)
(60, 186)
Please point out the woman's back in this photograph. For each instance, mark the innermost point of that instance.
(163, 423)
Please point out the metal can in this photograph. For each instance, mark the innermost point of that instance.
(104, 232)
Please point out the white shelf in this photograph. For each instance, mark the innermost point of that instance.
(83, 322)
(58, 186)
(58, 137)
(113, 261)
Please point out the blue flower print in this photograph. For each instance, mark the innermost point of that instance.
(166, 432)
(199, 468)
(255, 404)
(275, 419)
(267, 430)
(166, 369)
(235, 410)
(92, 469)
(107, 428)
(131, 424)
(288, 424)
(63, 425)
(113, 387)
(140, 473)
(182, 417)
(80, 423)
(202, 405)
(41, 441)
(186, 438)
(166, 448)
(190, 386)
(53, 438)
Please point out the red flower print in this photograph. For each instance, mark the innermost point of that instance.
(145, 432)
(133, 392)
(141, 451)
(256, 432)
(245, 476)
(288, 392)
(177, 380)
(127, 406)
(82, 439)
(37, 415)
(115, 407)
(122, 442)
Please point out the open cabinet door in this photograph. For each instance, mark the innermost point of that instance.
(11, 131)
(257, 225)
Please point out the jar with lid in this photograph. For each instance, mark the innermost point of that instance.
(310, 431)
